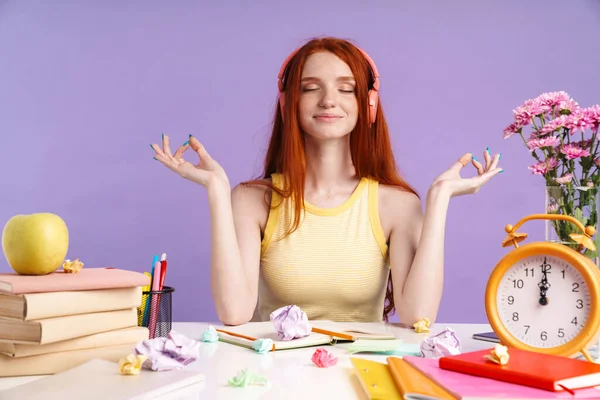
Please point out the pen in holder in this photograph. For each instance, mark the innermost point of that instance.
(158, 315)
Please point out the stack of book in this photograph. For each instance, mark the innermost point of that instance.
(50, 323)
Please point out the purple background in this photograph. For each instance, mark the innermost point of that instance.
(84, 90)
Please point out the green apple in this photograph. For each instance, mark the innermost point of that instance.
(35, 244)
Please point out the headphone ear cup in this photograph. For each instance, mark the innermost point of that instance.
(373, 100)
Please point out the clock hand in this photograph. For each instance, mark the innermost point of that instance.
(544, 285)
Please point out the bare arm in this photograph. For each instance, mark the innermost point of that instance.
(235, 252)
(417, 240)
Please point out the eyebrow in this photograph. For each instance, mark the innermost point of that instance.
(341, 78)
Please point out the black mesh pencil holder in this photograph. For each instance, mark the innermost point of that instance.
(156, 312)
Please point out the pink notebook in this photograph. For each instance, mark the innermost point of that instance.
(473, 386)
(60, 281)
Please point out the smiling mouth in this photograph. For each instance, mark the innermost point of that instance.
(327, 118)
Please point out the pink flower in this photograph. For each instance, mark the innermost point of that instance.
(549, 141)
(543, 167)
(564, 179)
(512, 129)
(554, 125)
(578, 121)
(553, 99)
(574, 151)
(323, 359)
(592, 115)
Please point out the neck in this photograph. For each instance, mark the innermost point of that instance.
(328, 164)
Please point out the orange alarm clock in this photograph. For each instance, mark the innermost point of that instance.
(545, 296)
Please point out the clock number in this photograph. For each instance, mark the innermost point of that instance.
(544, 335)
(527, 271)
(527, 328)
(563, 272)
(515, 316)
(574, 321)
(575, 287)
(579, 304)
(561, 332)
(511, 300)
(518, 283)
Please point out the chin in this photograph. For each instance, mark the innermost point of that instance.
(327, 134)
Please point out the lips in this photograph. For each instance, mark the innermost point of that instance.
(327, 117)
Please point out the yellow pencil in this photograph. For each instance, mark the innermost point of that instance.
(141, 310)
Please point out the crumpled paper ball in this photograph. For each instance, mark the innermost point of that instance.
(422, 325)
(72, 267)
(445, 343)
(323, 359)
(210, 335)
(246, 378)
(290, 322)
(499, 355)
(131, 365)
(167, 353)
(262, 345)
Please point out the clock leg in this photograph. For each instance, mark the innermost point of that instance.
(587, 355)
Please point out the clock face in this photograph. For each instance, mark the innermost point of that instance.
(543, 301)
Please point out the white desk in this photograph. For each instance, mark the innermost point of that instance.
(291, 373)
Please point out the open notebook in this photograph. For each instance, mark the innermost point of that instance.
(323, 333)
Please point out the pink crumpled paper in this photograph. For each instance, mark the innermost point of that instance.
(166, 353)
(323, 359)
(445, 343)
(290, 322)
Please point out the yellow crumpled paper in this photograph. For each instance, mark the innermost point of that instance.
(131, 365)
(72, 267)
(499, 355)
(422, 325)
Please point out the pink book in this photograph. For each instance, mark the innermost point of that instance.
(473, 386)
(60, 281)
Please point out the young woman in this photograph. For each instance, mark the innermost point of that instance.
(331, 224)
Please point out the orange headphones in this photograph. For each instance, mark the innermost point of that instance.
(373, 93)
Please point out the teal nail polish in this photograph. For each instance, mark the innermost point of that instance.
(500, 155)
(151, 147)
(162, 136)
(474, 159)
(155, 158)
(488, 150)
(501, 171)
(186, 143)
(190, 135)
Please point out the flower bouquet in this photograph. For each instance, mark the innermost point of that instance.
(564, 142)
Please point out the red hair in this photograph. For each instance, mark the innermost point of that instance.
(370, 146)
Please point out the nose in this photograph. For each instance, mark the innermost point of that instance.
(328, 99)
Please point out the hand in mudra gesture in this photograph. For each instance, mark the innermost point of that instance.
(452, 183)
(207, 172)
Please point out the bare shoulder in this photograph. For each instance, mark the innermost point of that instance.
(252, 200)
(398, 205)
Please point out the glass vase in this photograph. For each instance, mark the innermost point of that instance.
(582, 204)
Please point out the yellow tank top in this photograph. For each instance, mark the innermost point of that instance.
(334, 266)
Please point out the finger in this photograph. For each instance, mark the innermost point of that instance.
(495, 161)
(181, 149)
(166, 161)
(478, 166)
(200, 150)
(166, 145)
(157, 149)
(462, 162)
(487, 158)
(488, 175)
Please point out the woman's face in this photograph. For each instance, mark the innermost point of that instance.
(328, 108)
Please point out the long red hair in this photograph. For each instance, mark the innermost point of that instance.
(370, 146)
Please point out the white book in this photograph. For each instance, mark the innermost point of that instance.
(100, 379)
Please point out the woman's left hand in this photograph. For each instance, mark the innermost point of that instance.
(454, 185)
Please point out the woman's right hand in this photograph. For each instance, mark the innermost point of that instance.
(207, 172)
